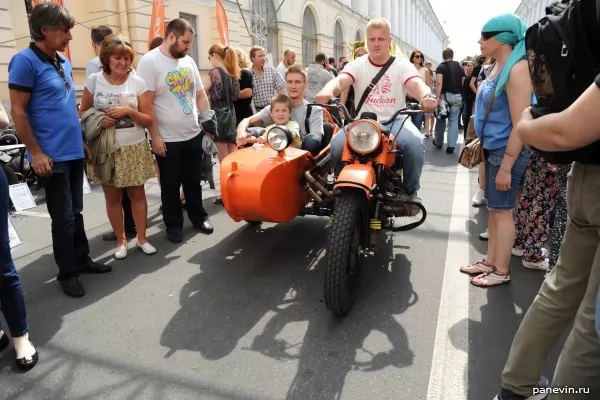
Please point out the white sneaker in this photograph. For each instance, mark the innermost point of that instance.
(484, 235)
(542, 265)
(121, 252)
(517, 252)
(479, 199)
(147, 248)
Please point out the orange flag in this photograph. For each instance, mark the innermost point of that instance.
(222, 24)
(34, 3)
(157, 23)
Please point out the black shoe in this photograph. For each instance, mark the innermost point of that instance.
(111, 237)
(26, 363)
(450, 150)
(4, 341)
(506, 394)
(92, 267)
(435, 144)
(175, 236)
(205, 226)
(211, 185)
(72, 287)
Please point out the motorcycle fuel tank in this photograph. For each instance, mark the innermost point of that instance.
(261, 184)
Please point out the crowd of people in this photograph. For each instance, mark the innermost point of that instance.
(164, 120)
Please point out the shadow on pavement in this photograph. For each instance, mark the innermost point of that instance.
(255, 273)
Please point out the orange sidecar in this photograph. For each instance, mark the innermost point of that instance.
(261, 184)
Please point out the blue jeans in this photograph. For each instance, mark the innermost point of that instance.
(417, 120)
(312, 143)
(410, 142)
(12, 303)
(64, 198)
(455, 102)
(504, 201)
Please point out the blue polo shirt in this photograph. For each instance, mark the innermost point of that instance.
(52, 108)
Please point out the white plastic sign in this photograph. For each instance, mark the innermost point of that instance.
(21, 196)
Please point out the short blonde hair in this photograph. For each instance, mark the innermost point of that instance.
(379, 23)
(296, 69)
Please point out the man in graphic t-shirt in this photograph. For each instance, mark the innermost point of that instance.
(178, 95)
(387, 97)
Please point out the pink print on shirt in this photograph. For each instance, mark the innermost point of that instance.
(381, 94)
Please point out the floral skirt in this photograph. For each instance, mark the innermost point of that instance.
(133, 166)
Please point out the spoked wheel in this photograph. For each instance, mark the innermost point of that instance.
(344, 256)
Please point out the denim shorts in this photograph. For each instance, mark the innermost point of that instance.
(504, 201)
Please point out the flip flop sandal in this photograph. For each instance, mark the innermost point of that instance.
(492, 278)
(481, 267)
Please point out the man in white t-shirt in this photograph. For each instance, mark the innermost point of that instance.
(178, 95)
(98, 34)
(385, 99)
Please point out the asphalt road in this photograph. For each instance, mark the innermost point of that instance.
(240, 315)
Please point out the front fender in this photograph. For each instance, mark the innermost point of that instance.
(357, 176)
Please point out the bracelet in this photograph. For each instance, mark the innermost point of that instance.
(509, 154)
(430, 96)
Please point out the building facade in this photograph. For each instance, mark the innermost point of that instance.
(309, 26)
(331, 26)
(531, 11)
(130, 17)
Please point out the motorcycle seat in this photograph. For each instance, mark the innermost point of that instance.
(257, 132)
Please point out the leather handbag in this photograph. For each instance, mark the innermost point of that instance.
(472, 154)
(225, 115)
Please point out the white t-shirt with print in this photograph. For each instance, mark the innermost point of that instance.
(174, 83)
(390, 93)
(107, 95)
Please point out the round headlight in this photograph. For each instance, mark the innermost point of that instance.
(364, 137)
(279, 139)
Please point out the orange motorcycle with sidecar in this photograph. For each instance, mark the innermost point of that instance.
(274, 182)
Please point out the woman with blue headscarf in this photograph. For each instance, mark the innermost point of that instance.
(509, 91)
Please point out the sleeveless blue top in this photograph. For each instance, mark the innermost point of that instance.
(499, 124)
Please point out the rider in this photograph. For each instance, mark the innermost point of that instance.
(385, 99)
(295, 82)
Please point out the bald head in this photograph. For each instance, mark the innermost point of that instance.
(289, 57)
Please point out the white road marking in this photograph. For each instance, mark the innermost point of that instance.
(39, 214)
(448, 378)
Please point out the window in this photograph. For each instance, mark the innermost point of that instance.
(309, 37)
(338, 42)
(194, 49)
(358, 36)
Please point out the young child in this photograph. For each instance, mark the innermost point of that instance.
(281, 111)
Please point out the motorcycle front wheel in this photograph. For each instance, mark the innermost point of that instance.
(11, 177)
(344, 258)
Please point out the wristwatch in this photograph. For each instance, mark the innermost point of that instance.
(430, 96)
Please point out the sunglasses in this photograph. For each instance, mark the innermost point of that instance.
(489, 35)
(118, 42)
(61, 72)
(419, 56)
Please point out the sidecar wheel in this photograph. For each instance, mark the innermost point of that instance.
(344, 259)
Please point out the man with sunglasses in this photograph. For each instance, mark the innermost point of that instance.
(43, 107)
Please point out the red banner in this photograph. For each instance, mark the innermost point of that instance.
(222, 24)
(157, 23)
(34, 3)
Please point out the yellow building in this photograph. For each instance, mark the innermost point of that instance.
(131, 17)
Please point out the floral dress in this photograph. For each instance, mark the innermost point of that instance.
(532, 218)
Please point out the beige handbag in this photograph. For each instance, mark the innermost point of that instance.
(472, 154)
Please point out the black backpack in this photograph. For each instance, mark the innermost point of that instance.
(563, 62)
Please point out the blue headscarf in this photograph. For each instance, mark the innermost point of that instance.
(514, 33)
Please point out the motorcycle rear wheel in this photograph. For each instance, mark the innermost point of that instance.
(344, 258)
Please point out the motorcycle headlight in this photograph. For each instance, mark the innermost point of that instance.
(364, 136)
(279, 138)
